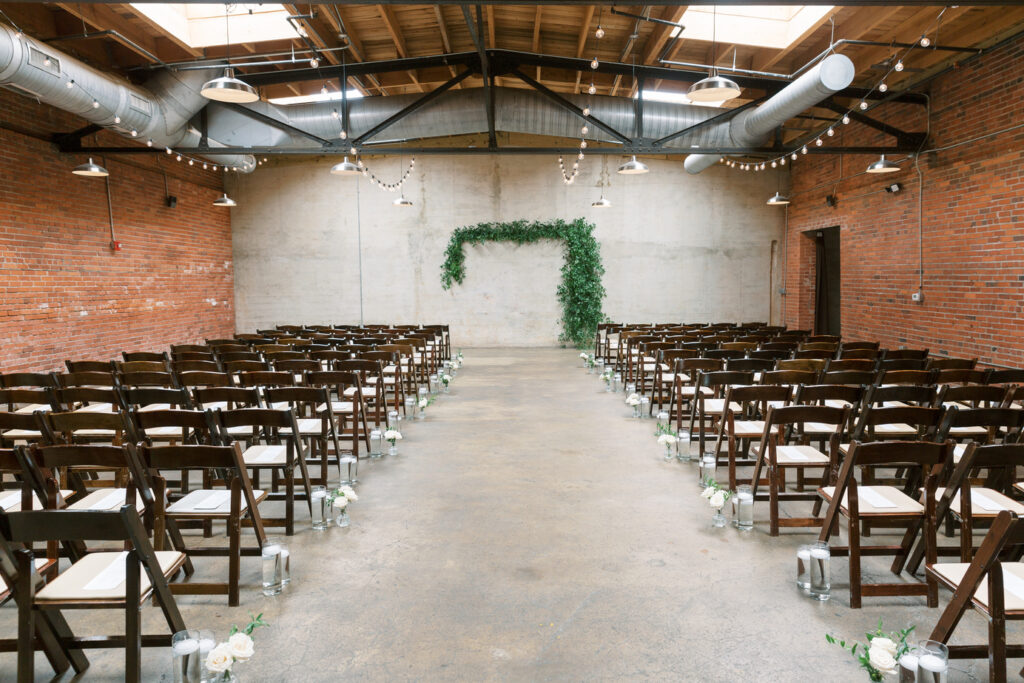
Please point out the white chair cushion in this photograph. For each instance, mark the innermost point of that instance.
(106, 499)
(265, 456)
(1013, 582)
(71, 584)
(204, 498)
(900, 502)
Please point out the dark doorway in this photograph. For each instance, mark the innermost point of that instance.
(826, 281)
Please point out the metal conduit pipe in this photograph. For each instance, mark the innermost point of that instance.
(753, 126)
(159, 111)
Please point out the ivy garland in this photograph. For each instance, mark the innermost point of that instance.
(580, 291)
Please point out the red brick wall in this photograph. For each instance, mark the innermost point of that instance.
(973, 227)
(63, 292)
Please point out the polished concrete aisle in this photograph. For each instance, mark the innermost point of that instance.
(529, 530)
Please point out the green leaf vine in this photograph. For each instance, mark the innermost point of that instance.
(580, 292)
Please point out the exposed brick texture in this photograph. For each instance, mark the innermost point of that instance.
(64, 292)
(973, 226)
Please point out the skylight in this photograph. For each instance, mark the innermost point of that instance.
(774, 26)
(318, 97)
(204, 25)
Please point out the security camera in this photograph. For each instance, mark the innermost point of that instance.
(893, 188)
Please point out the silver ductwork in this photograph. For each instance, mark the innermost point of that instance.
(159, 111)
(753, 126)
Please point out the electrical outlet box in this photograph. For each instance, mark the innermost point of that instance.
(917, 296)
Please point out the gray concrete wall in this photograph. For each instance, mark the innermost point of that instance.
(675, 246)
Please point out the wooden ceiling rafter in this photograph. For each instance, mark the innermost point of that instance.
(387, 15)
(581, 40)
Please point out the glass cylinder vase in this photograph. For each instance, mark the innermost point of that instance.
(683, 445)
(321, 513)
(186, 660)
(932, 661)
(821, 571)
(707, 469)
(744, 507)
(376, 443)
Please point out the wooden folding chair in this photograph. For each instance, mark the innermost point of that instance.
(887, 504)
(235, 506)
(317, 424)
(706, 412)
(271, 443)
(785, 439)
(100, 580)
(742, 423)
(991, 586)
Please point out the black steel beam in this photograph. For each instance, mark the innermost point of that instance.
(570, 107)
(412, 106)
(656, 3)
(766, 152)
(73, 140)
(638, 110)
(476, 33)
(898, 133)
(271, 121)
(725, 115)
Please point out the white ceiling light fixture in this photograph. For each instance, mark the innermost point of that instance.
(402, 201)
(602, 203)
(224, 200)
(714, 88)
(778, 200)
(632, 167)
(346, 167)
(883, 165)
(227, 88)
(91, 170)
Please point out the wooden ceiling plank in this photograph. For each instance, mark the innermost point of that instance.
(661, 34)
(158, 29)
(387, 14)
(783, 53)
(581, 40)
(537, 18)
(908, 31)
(102, 18)
(446, 43)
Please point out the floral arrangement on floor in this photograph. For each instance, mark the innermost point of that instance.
(663, 429)
(340, 497)
(607, 375)
(881, 656)
(392, 436)
(459, 356)
(715, 494)
(588, 360)
(633, 400)
(446, 379)
(239, 647)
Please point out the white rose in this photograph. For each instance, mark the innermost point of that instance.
(446, 378)
(708, 492)
(392, 434)
(583, 355)
(423, 403)
(881, 660)
(241, 647)
(717, 499)
(349, 493)
(666, 439)
(884, 644)
(341, 502)
(219, 660)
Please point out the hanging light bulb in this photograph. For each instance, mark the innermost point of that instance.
(594, 63)
(167, 149)
(178, 158)
(117, 119)
(830, 132)
(591, 90)
(580, 156)
(782, 161)
(583, 144)
(599, 33)
(899, 65)
(804, 150)
(343, 135)
(191, 162)
(46, 61)
(793, 157)
(846, 119)
(353, 151)
(863, 104)
(323, 90)
(204, 166)
(95, 104)
(925, 41)
(775, 164)
(586, 111)
(584, 130)
(335, 114)
(70, 84)
(818, 142)
(134, 133)
(882, 87)
(314, 63)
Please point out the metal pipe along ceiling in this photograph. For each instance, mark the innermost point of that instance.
(160, 111)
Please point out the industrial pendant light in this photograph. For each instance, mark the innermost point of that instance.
(224, 200)
(883, 165)
(346, 167)
(227, 88)
(778, 200)
(714, 88)
(633, 167)
(91, 169)
(602, 203)
(402, 201)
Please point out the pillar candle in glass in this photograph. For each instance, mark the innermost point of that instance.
(803, 568)
(318, 498)
(433, 384)
(394, 418)
(645, 406)
(932, 661)
(908, 666)
(821, 571)
(272, 568)
(707, 469)
(683, 445)
(616, 381)
(376, 443)
(744, 507)
(185, 658)
(410, 408)
(630, 388)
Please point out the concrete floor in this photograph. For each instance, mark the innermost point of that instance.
(530, 530)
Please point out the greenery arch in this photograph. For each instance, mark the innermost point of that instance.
(580, 291)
